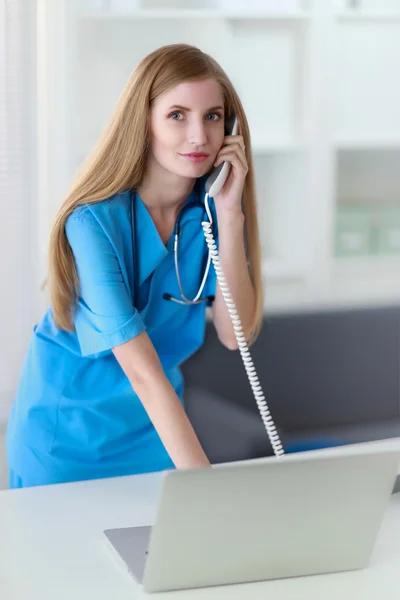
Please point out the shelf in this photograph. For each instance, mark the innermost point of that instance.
(373, 266)
(367, 144)
(367, 16)
(240, 15)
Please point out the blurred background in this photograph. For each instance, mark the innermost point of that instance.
(319, 80)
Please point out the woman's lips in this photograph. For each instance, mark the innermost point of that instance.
(195, 156)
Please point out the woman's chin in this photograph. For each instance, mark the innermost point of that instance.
(197, 169)
(191, 170)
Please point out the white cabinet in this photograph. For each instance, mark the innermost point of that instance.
(318, 80)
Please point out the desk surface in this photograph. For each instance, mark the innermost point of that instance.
(52, 547)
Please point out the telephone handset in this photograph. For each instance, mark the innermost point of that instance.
(218, 177)
(213, 186)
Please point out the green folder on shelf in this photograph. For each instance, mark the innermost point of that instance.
(353, 232)
(367, 229)
(389, 232)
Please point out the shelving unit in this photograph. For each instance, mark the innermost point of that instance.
(234, 15)
(368, 16)
(319, 84)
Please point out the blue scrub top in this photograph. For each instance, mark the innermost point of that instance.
(76, 415)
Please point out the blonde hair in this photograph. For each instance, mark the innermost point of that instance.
(118, 161)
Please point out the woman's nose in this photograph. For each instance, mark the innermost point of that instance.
(197, 135)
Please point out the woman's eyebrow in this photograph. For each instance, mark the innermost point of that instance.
(188, 109)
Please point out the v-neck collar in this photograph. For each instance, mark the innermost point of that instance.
(150, 248)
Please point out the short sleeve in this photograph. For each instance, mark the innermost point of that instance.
(104, 315)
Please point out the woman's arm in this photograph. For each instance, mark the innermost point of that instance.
(233, 260)
(140, 363)
(228, 204)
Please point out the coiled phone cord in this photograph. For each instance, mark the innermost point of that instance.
(242, 344)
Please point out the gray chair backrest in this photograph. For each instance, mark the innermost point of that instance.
(316, 370)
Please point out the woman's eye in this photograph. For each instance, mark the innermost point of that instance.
(215, 116)
(175, 116)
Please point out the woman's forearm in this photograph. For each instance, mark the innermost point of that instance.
(234, 266)
(141, 364)
(171, 422)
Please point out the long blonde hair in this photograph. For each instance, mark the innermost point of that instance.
(118, 161)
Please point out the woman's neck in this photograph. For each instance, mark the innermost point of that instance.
(163, 192)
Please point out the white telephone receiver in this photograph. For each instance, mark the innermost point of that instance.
(218, 177)
(213, 186)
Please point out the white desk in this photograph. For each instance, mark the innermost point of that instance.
(52, 548)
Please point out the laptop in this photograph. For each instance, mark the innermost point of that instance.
(301, 514)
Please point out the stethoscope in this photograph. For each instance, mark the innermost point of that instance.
(177, 232)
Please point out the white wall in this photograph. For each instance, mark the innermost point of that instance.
(3, 462)
(18, 300)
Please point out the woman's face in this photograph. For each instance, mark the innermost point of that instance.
(187, 127)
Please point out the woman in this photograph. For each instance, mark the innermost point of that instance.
(101, 391)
